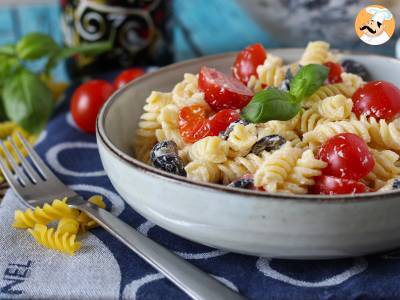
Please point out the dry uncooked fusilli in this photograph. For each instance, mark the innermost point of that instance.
(50, 212)
(315, 53)
(335, 108)
(68, 225)
(53, 239)
(241, 139)
(84, 220)
(276, 168)
(210, 149)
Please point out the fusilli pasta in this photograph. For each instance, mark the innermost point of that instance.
(335, 108)
(328, 90)
(187, 93)
(235, 168)
(276, 168)
(203, 171)
(315, 53)
(210, 149)
(241, 139)
(50, 212)
(306, 168)
(384, 169)
(353, 81)
(270, 73)
(327, 130)
(148, 124)
(383, 134)
(53, 239)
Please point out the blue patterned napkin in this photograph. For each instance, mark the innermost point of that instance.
(105, 269)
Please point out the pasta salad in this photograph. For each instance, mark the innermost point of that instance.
(316, 126)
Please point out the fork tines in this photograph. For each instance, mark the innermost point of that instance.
(16, 168)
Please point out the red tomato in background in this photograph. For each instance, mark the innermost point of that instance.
(126, 76)
(247, 61)
(194, 124)
(334, 72)
(87, 101)
(223, 91)
(347, 156)
(379, 99)
(329, 185)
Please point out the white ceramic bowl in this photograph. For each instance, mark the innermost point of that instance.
(243, 221)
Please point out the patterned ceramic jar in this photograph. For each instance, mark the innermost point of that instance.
(139, 30)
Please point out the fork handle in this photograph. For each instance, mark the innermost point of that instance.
(193, 281)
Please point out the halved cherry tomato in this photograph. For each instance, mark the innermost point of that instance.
(223, 91)
(126, 76)
(87, 101)
(247, 61)
(379, 99)
(329, 185)
(194, 124)
(347, 156)
(334, 72)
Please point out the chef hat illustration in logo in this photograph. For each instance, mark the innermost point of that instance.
(375, 25)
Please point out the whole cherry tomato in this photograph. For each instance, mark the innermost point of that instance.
(87, 101)
(247, 61)
(347, 156)
(194, 124)
(126, 76)
(329, 185)
(334, 72)
(379, 99)
(223, 91)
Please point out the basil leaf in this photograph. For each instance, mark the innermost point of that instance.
(36, 45)
(7, 50)
(308, 80)
(271, 104)
(27, 101)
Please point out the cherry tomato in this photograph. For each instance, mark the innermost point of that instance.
(334, 72)
(223, 91)
(347, 156)
(379, 99)
(247, 61)
(194, 124)
(191, 120)
(87, 101)
(329, 185)
(126, 76)
(221, 120)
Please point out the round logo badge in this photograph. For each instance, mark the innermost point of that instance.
(374, 25)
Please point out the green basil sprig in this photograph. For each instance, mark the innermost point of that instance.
(275, 104)
(26, 99)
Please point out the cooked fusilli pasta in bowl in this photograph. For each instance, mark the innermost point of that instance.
(270, 146)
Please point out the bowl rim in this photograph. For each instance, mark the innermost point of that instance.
(133, 162)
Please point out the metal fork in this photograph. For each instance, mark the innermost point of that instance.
(36, 185)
